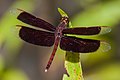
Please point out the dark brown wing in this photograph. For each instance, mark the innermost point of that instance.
(79, 45)
(36, 37)
(34, 21)
(87, 30)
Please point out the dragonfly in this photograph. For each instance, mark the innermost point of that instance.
(59, 36)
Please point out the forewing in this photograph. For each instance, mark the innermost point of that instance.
(36, 37)
(87, 30)
(34, 21)
(79, 45)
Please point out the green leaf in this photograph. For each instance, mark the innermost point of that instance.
(62, 13)
(73, 67)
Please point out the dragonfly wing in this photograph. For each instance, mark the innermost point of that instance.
(87, 30)
(80, 45)
(34, 21)
(36, 37)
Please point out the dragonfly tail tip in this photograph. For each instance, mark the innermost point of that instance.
(46, 70)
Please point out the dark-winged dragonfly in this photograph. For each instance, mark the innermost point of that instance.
(57, 35)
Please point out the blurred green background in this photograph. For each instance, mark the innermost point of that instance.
(22, 61)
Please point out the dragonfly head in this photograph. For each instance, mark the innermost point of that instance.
(65, 20)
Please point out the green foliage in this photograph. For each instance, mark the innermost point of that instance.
(12, 43)
(14, 74)
(63, 14)
(8, 28)
(2, 64)
(110, 71)
(103, 14)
